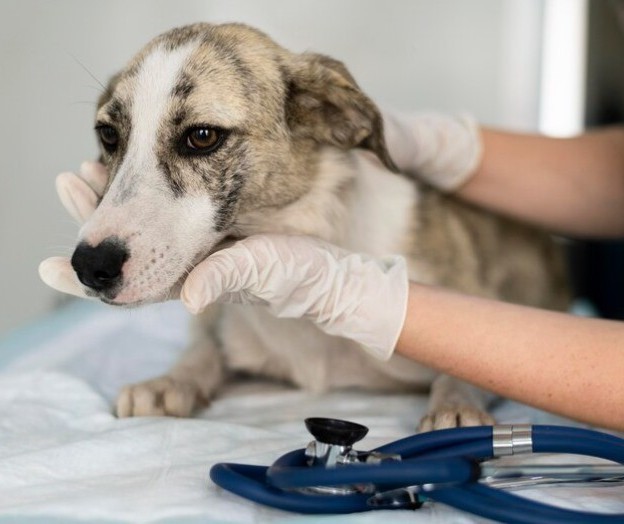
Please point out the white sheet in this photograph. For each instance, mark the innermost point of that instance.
(65, 457)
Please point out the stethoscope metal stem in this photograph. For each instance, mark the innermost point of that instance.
(531, 475)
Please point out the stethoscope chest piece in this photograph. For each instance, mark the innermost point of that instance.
(333, 441)
(333, 447)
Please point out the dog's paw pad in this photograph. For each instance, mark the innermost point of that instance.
(162, 396)
(455, 417)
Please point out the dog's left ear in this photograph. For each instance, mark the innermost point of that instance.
(325, 104)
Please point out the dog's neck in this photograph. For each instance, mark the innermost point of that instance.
(353, 202)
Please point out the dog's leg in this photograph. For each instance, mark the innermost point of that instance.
(190, 384)
(454, 403)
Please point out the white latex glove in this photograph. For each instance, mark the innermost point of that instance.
(79, 194)
(346, 294)
(441, 150)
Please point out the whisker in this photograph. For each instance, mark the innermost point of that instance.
(187, 271)
(91, 86)
(104, 89)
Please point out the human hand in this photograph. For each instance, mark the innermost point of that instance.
(345, 294)
(438, 149)
(79, 194)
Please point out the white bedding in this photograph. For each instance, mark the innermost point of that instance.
(64, 457)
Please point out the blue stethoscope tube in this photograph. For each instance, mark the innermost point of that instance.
(446, 458)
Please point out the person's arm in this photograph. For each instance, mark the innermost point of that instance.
(573, 186)
(568, 365)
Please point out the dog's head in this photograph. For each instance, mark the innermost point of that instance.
(205, 126)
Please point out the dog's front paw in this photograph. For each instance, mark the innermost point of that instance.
(162, 396)
(455, 417)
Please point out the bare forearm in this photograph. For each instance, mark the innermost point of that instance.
(564, 364)
(573, 186)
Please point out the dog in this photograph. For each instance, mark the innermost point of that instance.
(215, 132)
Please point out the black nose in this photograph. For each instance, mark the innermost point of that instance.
(99, 267)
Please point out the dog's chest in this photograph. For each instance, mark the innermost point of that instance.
(297, 351)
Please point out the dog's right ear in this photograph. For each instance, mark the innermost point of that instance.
(325, 104)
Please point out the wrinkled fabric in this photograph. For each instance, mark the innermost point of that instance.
(64, 457)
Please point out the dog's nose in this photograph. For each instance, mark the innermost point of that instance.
(99, 267)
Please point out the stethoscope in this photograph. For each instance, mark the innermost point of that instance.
(451, 466)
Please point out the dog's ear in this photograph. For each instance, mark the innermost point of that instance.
(325, 104)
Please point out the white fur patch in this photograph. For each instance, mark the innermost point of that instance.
(382, 212)
(154, 83)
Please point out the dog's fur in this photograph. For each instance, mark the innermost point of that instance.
(303, 151)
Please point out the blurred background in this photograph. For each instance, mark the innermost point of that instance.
(552, 66)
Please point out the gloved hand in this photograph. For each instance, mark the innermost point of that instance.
(441, 150)
(79, 194)
(346, 294)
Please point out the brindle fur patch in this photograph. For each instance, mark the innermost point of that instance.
(183, 88)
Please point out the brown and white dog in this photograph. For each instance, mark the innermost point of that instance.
(215, 132)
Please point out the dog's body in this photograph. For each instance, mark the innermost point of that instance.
(281, 133)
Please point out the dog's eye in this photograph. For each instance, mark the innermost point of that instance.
(203, 139)
(108, 136)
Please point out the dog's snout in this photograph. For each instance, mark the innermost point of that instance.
(99, 267)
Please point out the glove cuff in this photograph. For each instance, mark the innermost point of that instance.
(460, 153)
(440, 150)
(390, 306)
